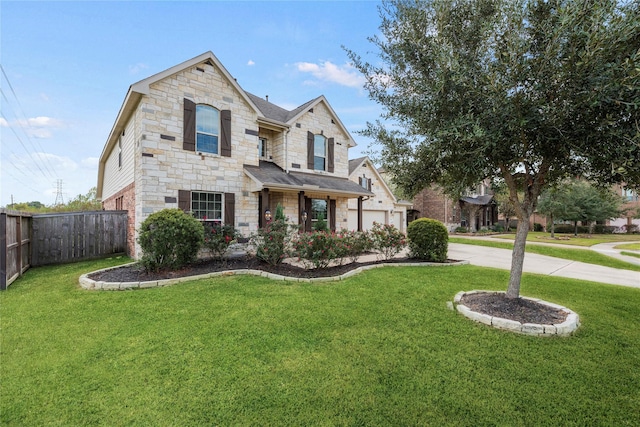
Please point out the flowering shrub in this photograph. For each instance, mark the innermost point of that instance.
(387, 240)
(355, 243)
(169, 238)
(218, 237)
(316, 249)
(271, 241)
(428, 239)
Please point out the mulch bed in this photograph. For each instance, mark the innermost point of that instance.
(521, 310)
(136, 273)
(518, 309)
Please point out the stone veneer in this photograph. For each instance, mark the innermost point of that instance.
(565, 328)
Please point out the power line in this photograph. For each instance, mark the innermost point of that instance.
(47, 162)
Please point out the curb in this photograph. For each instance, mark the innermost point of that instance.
(90, 284)
(563, 329)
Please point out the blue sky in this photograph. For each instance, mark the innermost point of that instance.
(67, 67)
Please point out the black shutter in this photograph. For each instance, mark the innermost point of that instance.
(189, 123)
(332, 215)
(369, 184)
(330, 154)
(184, 200)
(225, 133)
(310, 138)
(229, 209)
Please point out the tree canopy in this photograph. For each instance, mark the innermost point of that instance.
(528, 92)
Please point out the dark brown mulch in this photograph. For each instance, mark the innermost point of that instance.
(518, 309)
(136, 273)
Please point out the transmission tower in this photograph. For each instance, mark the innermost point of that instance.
(59, 198)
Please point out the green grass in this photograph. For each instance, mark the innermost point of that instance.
(380, 348)
(581, 255)
(581, 240)
(629, 246)
(633, 254)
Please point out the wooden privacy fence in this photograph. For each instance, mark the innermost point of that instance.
(57, 238)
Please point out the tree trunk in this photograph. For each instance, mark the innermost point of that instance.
(517, 257)
(553, 227)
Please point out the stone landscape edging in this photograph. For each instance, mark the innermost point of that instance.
(563, 329)
(90, 284)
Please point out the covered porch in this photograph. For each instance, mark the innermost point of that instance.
(305, 196)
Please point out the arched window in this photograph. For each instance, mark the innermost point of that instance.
(207, 129)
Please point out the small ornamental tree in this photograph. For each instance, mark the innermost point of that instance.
(428, 240)
(170, 239)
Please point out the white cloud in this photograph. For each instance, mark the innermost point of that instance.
(44, 97)
(135, 69)
(4, 123)
(41, 127)
(345, 75)
(90, 163)
(250, 63)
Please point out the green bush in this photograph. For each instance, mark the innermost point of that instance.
(461, 230)
(387, 240)
(316, 249)
(320, 224)
(271, 240)
(356, 243)
(428, 240)
(498, 228)
(537, 227)
(169, 238)
(218, 237)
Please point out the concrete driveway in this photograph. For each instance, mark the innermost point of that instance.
(540, 264)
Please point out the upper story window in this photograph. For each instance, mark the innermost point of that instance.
(207, 129)
(319, 152)
(262, 148)
(206, 206)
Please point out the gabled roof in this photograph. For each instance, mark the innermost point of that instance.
(487, 199)
(355, 164)
(269, 175)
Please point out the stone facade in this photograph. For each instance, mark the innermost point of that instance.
(146, 160)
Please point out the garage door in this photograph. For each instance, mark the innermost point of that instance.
(368, 218)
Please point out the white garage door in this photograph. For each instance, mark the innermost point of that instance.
(368, 218)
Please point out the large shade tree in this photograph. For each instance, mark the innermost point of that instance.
(528, 92)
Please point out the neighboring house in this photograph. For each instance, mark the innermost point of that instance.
(191, 137)
(632, 206)
(382, 207)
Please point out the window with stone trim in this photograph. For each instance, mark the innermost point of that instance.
(207, 129)
(207, 206)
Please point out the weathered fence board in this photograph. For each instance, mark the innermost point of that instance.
(15, 242)
(71, 236)
(40, 239)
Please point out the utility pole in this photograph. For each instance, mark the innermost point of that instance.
(59, 198)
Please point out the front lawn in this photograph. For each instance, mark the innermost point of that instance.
(380, 348)
(581, 255)
(571, 240)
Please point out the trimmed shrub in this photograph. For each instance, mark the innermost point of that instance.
(604, 229)
(498, 228)
(428, 240)
(316, 249)
(320, 224)
(169, 238)
(461, 230)
(356, 243)
(387, 240)
(537, 227)
(218, 237)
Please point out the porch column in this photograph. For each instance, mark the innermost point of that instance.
(265, 205)
(360, 213)
(301, 208)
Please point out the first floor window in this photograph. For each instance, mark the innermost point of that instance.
(319, 152)
(207, 129)
(206, 206)
(318, 209)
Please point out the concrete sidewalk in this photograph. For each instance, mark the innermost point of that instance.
(540, 264)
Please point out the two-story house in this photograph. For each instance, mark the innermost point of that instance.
(191, 137)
